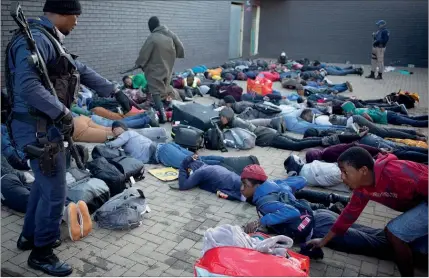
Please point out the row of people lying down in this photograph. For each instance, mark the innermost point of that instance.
(381, 181)
(283, 205)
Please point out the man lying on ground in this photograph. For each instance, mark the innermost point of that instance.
(374, 145)
(382, 116)
(282, 213)
(398, 184)
(247, 110)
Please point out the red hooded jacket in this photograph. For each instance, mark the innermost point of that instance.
(399, 185)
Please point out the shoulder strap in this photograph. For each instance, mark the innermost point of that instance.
(57, 45)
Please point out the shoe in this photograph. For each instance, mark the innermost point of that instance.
(49, 263)
(293, 165)
(335, 198)
(337, 208)
(379, 77)
(403, 109)
(73, 222)
(174, 185)
(387, 98)
(154, 120)
(360, 71)
(25, 244)
(159, 108)
(85, 219)
(349, 86)
(371, 75)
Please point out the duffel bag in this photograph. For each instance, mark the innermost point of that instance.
(268, 109)
(156, 134)
(129, 166)
(188, 137)
(94, 192)
(194, 114)
(101, 169)
(106, 152)
(239, 138)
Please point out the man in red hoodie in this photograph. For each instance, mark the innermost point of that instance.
(398, 184)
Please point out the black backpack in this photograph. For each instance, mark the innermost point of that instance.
(187, 136)
(212, 139)
(267, 109)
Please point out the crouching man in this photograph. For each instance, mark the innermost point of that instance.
(398, 184)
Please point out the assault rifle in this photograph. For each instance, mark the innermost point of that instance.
(37, 61)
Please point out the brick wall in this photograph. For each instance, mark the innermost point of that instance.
(339, 31)
(110, 34)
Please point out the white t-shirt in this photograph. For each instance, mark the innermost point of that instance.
(322, 120)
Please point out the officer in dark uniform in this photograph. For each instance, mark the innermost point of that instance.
(39, 120)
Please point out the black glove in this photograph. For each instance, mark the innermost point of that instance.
(67, 125)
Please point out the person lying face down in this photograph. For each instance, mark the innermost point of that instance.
(398, 184)
(213, 178)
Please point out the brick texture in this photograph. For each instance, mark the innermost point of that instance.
(339, 31)
(110, 34)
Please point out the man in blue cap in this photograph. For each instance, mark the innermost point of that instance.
(39, 120)
(381, 37)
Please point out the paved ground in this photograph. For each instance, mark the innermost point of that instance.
(170, 239)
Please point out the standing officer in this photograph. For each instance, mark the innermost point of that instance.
(381, 37)
(39, 119)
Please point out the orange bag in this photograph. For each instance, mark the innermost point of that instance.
(261, 86)
(243, 262)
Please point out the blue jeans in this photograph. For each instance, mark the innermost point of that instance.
(172, 155)
(398, 119)
(358, 239)
(412, 227)
(136, 121)
(332, 70)
(339, 87)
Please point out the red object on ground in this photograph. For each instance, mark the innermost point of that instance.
(243, 262)
(261, 86)
(273, 76)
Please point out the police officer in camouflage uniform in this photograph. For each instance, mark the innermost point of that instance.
(40, 120)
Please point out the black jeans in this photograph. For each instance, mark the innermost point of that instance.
(385, 132)
(289, 143)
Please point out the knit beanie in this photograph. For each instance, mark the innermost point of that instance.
(254, 172)
(229, 99)
(153, 23)
(227, 112)
(116, 124)
(63, 7)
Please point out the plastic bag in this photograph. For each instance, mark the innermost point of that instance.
(261, 86)
(243, 262)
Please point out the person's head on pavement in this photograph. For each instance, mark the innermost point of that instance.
(229, 100)
(153, 23)
(226, 115)
(63, 14)
(252, 177)
(118, 128)
(128, 82)
(190, 80)
(357, 168)
(307, 115)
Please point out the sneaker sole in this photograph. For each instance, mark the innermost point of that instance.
(72, 222)
(60, 274)
(85, 218)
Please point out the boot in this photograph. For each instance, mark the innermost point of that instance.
(337, 208)
(360, 71)
(44, 259)
(154, 120)
(278, 124)
(160, 108)
(28, 244)
(380, 76)
(371, 75)
(334, 198)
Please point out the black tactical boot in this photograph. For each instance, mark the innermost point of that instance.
(380, 76)
(278, 124)
(160, 108)
(44, 259)
(28, 244)
(371, 75)
(334, 198)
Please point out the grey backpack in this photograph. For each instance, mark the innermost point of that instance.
(124, 211)
(239, 138)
